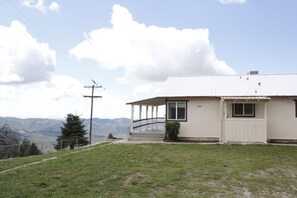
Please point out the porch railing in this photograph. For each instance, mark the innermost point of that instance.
(149, 124)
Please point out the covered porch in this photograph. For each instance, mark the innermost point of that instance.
(148, 118)
(244, 119)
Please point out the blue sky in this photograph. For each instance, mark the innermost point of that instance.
(50, 49)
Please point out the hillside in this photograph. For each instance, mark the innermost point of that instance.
(154, 170)
(45, 131)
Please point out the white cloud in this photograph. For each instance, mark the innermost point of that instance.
(57, 88)
(54, 98)
(110, 106)
(54, 6)
(22, 58)
(233, 1)
(39, 5)
(57, 97)
(150, 53)
(147, 88)
(6, 92)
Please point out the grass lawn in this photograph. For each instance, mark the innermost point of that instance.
(155, 170)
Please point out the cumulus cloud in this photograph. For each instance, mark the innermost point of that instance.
(54, 6)
(56, 97)
(39, 5)
(150, 53)
(57, 88)
(22, 58)
(233, 1)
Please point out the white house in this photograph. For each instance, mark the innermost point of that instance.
(237, 108)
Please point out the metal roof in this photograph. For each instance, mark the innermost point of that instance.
(233, 85)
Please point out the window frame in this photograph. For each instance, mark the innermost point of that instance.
(243, 115)
(176, 110)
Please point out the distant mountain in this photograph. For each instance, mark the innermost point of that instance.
(45, 131)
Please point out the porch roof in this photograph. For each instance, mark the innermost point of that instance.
(150, 101)
(246, 98)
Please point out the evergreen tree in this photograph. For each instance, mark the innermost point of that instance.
(73, 133)
(34, 149)
(25, 148)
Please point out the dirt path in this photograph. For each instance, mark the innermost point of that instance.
(30, 164)
(45, 160)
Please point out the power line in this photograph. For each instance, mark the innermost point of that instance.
(92, 97)
(42, 34)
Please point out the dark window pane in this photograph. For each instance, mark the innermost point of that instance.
(249, 109)
(172, 110)
(238, 109)
(181, 110)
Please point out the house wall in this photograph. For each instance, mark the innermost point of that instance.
(203, 120)
(281, 120)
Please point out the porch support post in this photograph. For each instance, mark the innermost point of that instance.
(132, 117)
(146, 117)
(140, 112)
(165, 109)
(265, 124)
(224, 120)
(156, 117)
(152, 117)
(152, 113)
(221, 117)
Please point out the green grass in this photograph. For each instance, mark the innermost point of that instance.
(156, 170)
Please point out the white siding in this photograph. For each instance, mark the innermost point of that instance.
(203, 119)
(281, 120)
(245, 130)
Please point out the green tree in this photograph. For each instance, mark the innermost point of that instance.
(34, 149)
(8, 142)
(73, 133)
(25, 148)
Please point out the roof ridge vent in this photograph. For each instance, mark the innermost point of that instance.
(253, 72)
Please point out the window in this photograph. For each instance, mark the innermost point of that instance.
(243, 110)
(176, 110)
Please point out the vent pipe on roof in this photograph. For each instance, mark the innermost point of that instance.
(253, 72)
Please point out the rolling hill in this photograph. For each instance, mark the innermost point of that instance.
(45, 131)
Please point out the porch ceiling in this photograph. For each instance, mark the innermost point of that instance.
(157, 101)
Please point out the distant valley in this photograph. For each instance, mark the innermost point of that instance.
(44, 132)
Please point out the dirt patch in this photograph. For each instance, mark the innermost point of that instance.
(136, 178)
(273, 172)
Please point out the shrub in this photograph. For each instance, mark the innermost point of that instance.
(172, 131)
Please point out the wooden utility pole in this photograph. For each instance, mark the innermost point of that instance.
(92, 97)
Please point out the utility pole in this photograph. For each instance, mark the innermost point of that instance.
(92, 97)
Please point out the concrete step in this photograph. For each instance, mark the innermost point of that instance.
(147, 134)
(145, 139)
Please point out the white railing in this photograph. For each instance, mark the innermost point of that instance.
(245, 130)
(148, 124)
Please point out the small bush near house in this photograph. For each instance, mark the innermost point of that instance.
(172, 131)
